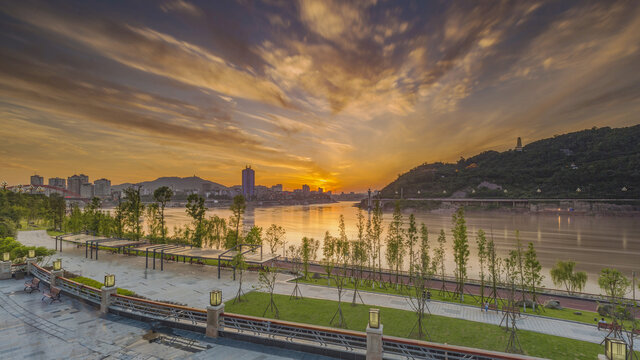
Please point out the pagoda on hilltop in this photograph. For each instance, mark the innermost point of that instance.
(519, 144)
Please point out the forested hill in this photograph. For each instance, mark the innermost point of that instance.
(600, 162)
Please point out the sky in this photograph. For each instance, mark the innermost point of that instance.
(344, 95)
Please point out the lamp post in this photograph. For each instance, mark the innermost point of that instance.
(32, 253)
(57, 265)
(109, 289)
(214, 312)
(56, 272)
(6, 256)
(374, 335)
(109, 280)
(31, 258)
(615, 349)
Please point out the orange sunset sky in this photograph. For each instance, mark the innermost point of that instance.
(342, 95)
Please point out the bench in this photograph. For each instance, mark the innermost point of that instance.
(33, 285)
(493, 307)
(53, 294)
(607, 326)
(512, 309)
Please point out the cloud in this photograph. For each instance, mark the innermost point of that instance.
(182, 7)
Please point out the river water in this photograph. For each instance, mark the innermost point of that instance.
(594, 242)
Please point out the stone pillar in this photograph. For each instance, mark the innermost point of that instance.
(374, 343)
(213, 320)
(30, 261)
(5, 270)
(54, 274)
(106, 298)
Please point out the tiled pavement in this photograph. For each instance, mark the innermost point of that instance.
(71, 329)
(196, 281)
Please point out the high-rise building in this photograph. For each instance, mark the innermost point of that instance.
(305, 190)
(58, 182)
(277, 188)
(102, 187)
(86, 190)
(248, 182)
(320, 190)
(74, 183)
(37, 180)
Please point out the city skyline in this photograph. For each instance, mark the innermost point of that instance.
(336, 95)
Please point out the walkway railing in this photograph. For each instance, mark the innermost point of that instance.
(80, 290)
(294, 332)
(40, 273)
(159, 311)
(18, 268)
(414, 349)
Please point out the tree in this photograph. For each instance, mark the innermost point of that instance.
(57, 208)
(395, 236)
(162, 196)
(376, 236)
(481, 241)
(153, 223)
(254, 236)
(613, 283)
(119, 220)
(295, 253)
(216, 231)
(563, 273)
(133, 209)
(197, 210)
(342, 256)
(237, 210)
(275, 237)
(267, 278)
(418, 293)
(460, 251)
(239, 265)
(328, 253)
(532, 272)
(309, 251)
(412, 239)
(439, 260)
(91, 215)
(519, 254)
(494, 264)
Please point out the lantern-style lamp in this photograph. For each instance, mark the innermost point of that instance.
(32, 253)
(6, 256)
(374, 318)
(215, 297)
(615, 349)
(57, 265)
(110, 280)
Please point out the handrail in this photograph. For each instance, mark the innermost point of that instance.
(79, 284)
(151, 302)
(298, 325)
(455, 348)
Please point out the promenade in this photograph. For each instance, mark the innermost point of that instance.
(190, 285)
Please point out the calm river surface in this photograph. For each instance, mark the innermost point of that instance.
(594, 242)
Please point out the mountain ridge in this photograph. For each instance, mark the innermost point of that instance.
(174, 182)
(594, 163)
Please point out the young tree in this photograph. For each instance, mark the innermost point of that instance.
(613, 283)
(239, 265)
(358, 258)
(267, 278)
(154, 232)
(376, 236)
(163, 195)
(295, 253)
(532, 270)
(481, 241)
(412, 239)
(460, 251)
(563, 273)
(519, 253)
(197, 210)
(91, 215)
(133, 209)
(342, 256)
(395, 248)
(119, 221)
(275, 237)
(494, 264)
(237, 210)
(216, 231)
(254, 236)
(439, 260)
(57, 208)
(328, 253)
(74, 222)
(309, 252)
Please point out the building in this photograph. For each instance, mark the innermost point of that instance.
(320, 190)
(248, 183)
(102, 188)
(58, 182)
(305, 190)
(74, 183)
(37, 180)
(519, 144)
(86, 190)
(277, 188)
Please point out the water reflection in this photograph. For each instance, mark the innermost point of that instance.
(593, 242)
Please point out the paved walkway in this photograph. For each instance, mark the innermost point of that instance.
(71, 329)
(195, 282)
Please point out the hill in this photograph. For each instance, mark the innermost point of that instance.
(600, 162)
(176, 183)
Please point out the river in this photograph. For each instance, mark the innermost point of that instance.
(594, 242)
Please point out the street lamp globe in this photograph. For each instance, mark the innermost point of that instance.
(215, 297)
(374, 318)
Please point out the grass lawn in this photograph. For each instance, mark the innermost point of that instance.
(55, 232)
(98, 285)
(399, 323)
(587, 317)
